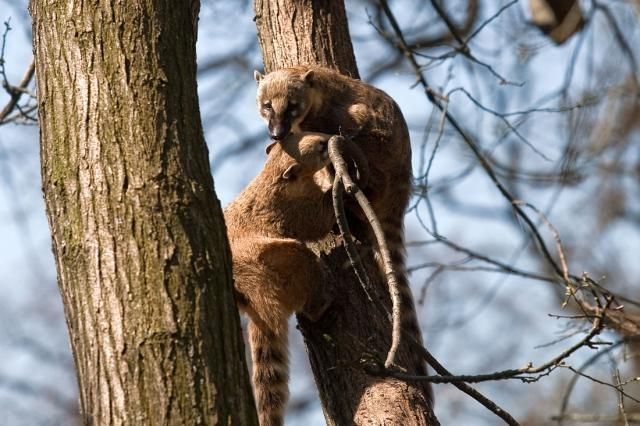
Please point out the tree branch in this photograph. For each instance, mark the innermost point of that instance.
(336, 148)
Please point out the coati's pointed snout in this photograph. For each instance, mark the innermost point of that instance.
(279, 130)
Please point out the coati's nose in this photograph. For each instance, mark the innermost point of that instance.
(279, 131)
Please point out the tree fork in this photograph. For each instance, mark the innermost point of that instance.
(141, 252)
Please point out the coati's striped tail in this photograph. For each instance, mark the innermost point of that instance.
(394, 234)
(270, 372)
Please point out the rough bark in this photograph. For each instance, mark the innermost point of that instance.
(142, 258)
(305, 33)
(295, 32)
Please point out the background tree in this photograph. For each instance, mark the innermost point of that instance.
(142, 258)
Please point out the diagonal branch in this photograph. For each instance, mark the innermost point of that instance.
(16, 92)
(527, 374)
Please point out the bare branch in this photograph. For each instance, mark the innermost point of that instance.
(342, 175)
(15, 92)
(526, 374)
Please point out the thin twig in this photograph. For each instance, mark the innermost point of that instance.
(527, 374)
(574, 379)
(502, 117)
(464, 387)
(619, 386)
(448, 22)
(16, 92)
(601, 382)
(488, 21)
(463, 47)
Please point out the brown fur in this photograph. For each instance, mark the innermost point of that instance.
(327, 101)
(275, 273)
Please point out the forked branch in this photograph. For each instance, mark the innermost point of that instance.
(338, 146)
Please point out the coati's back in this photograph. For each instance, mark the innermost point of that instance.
(377, 112)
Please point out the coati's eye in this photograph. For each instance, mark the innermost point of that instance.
(267, 106)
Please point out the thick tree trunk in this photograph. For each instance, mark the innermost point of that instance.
(295, 32)
(305, 32)
(142, 258)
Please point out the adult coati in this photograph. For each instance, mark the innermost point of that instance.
(310, 98)
(287, 204)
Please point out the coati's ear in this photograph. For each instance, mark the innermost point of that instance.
(307, 77)
(257, 76)
(292, 171)
(269, 147)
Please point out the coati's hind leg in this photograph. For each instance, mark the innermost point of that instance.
(275, 278)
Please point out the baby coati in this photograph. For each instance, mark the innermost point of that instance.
(287, 204)
(306, 98)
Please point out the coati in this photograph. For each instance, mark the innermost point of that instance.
(309, 98)
(286, 205)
